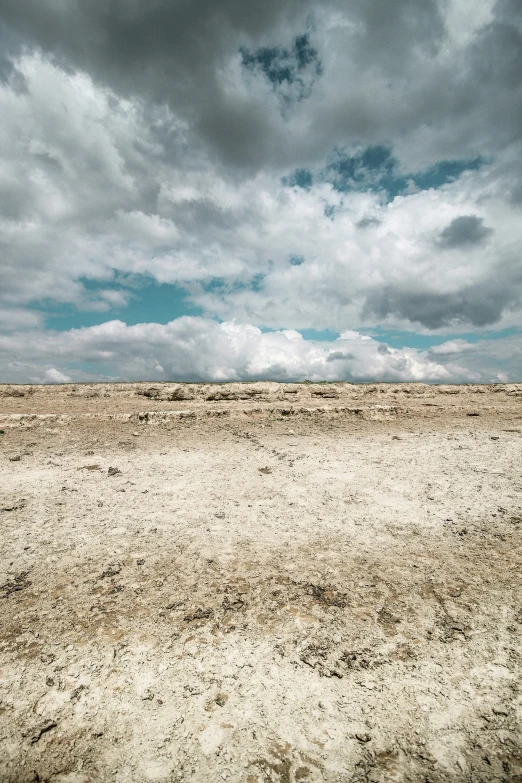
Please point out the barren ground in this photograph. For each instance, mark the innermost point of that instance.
(281, 583)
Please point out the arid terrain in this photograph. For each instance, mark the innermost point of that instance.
(260, 582)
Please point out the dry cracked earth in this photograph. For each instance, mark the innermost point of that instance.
(260, 582)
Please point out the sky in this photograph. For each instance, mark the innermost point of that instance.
(195, 190)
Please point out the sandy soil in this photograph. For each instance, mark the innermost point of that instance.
(260, 582)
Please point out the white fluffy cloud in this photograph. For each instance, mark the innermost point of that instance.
(198, 349)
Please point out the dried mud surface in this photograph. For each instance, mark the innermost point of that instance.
(260, 582)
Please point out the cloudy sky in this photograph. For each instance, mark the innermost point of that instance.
(286, 189)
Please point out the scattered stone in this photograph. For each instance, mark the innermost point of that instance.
(199, 614)
(75, 695)
(49, 682)
(325, 392)
(472, 413)
(20, 582)
(180, 394)
(89, 467)
(170, 607)
(363, 737)
(494, 437)
(113, 471)
(140, 561)
(153, 393)
(13, 393)
(220, 515)
(112, 570)
(136, 434)
(232, 603)
(327, 595)
(15, 458)
(265, 470)
(16, 506)
(147, 695)
(36, 732)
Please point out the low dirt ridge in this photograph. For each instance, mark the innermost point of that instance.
(260, 582)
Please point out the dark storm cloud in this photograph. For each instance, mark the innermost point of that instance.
(175, 51)
(161, 50)
(10, 46)
(480, 305)
(464, 231)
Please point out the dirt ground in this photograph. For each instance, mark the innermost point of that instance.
(260, 582)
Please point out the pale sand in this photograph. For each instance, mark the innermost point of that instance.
(283, 583)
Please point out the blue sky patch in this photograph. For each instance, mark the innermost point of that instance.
(375, 168)
(400, 339)
(151, 302)
(300, 178)
(297, 66)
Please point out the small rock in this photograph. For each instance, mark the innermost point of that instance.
(113, 471)
(140, 561)
(15, 506)
(472, 413)
(220, 515)
(36, 732)
(136, 434)
(147, 695)
(49, 682)
(199, 614)
(15, 458)
(112, 570)
(363, 737)
(265, 470)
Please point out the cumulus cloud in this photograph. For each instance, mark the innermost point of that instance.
(55, 376)
(199, 349)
